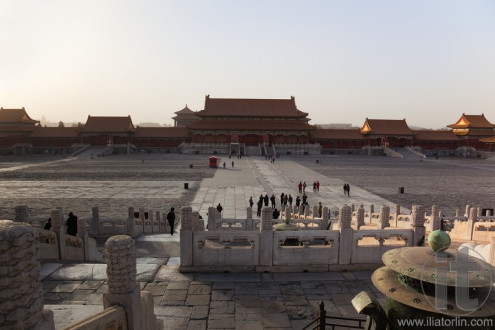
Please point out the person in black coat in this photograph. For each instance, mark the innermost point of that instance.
(171, 220)
(71, 224)
(272, 199)
(260, 205)
(48, 225)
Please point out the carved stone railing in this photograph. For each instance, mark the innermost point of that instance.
(369, 245)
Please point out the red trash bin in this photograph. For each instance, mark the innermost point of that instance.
(213, 161)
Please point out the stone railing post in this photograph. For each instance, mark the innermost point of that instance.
(196, 225)
(397, 213)
(372, 210)
(266, 236)
(249, 219)
(141, 216)
(123, 290)
(186, 236)
(417, 225)
(59, 227)
(315, 211)
(21, 213)
(466, 213)
(211, 218)
(82, 233)
(470, 224)
(346, 242)
(288, 215)
(164, 228)
(457, 212)
(20, 287)
(384, 217)
(57, 222)
(435, 219)
(306, 211)
(94, 223)
(130, 222)
(360, 217)
(325, 218)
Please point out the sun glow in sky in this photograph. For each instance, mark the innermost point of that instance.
(422, 60)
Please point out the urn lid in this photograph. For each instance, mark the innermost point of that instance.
(435, 279)
(418, 295)
(441, 267)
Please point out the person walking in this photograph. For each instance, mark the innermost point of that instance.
(232, 163)
(219, 208)
(304, 186)
(345, 188)
(299, 187)
(318, 186)
(251, 202)
(314, 186)
(224, 164)
(305, 198)
(298, 201)
(260, 205)
(266, 199)
(171, 220)
(290, 200)
(348, 190)
(272, 199)
(282, 199)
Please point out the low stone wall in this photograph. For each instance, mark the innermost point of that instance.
(264, 249)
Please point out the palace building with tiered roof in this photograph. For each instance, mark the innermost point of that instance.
(246, 126)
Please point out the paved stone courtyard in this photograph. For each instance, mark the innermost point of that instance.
(231, 300)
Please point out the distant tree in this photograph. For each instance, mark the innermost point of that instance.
(149, 124)
(61, 124)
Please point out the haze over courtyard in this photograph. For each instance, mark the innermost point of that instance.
(427, 62)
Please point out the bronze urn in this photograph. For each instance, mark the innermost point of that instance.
(431, 288)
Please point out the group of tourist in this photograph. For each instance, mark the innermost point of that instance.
(70, 223)
(301, 187)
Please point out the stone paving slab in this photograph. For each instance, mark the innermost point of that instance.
(95, 272)
(276, 178)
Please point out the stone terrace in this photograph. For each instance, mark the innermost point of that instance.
(243, 300)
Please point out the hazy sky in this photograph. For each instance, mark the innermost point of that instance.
(427, 61)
